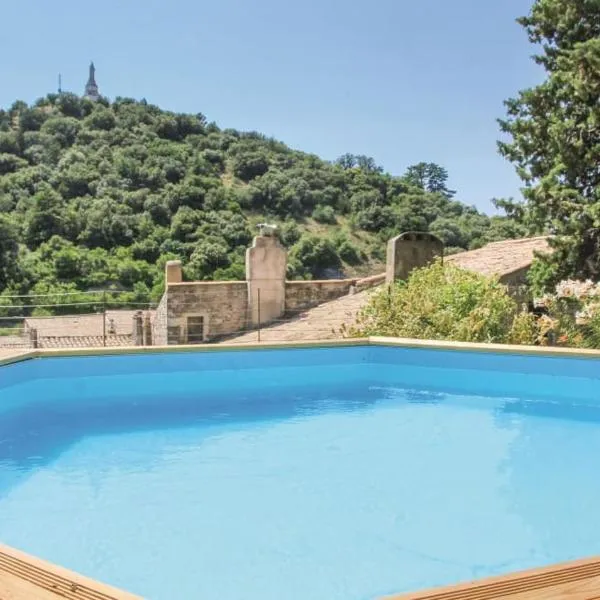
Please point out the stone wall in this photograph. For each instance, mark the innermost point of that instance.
(368, 282)
(222, 304)
(304, 294)
(410, 251)
(159, 323)
(517, 277)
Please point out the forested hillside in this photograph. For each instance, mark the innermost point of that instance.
(97, 195)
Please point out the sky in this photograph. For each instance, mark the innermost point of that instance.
(402, 81)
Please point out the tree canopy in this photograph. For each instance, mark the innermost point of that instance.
(100, 195)
(554, 138)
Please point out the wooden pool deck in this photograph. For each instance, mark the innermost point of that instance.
(23, 577)
(577, 580)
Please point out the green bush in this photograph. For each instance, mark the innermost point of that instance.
(324, 214)
(526, 329)
(315, 254)
(440, 302)
(348, 253)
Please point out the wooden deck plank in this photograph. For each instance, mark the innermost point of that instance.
(577, 580)
(23, 577)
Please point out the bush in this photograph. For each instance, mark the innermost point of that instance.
(315, 254)
(348, 253)
(324, 214)
(526, 329)
(440, 302)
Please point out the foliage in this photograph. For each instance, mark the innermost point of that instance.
(100, 195)
(312, 255)
(324, 214)
(572, 313)
(554, 138)
(430, 177)
(526, 329)
(440, 302)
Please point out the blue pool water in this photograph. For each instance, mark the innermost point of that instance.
(339, 474)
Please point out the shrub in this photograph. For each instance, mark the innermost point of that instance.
(324, 214)
(440, 302)
(348, 252)
(315, 254)
(527, 329)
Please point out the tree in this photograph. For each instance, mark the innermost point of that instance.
(316, 254)
(9, 249)
(429, 177)
(346, 161)
(43, 218)
(553, 134)
(100, 194)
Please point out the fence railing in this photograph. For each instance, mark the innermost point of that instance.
(74, 319)
(124, 323)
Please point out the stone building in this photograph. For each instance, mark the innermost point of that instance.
(192, 312)
(199, 311)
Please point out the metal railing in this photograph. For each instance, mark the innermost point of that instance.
(73, 319)
(110, 322)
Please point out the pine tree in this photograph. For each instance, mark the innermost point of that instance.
(554, 132)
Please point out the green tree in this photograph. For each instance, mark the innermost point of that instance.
(102, 194)
(553, 133)
(315, 254)
(9, 249)
(44, 217)
(429, 177)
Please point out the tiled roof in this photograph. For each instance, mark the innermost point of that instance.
(85, 341)
(501, 258)
(325, 321)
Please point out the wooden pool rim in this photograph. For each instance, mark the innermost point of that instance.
(23, 577)
(12, 356)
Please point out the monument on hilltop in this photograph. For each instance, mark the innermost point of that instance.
(91, 87)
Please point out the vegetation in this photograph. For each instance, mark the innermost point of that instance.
(100, 195)
(442, 302)
(554, 139)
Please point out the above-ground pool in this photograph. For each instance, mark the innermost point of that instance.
(341, 473)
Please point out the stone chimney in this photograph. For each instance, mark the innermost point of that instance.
(266, 266)
(173, 273)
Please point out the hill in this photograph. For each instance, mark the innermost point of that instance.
(100, 195)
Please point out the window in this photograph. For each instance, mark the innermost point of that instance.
(195, 330)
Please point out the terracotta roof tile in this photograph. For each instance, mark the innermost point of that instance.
(501, 258)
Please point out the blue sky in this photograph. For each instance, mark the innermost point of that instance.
(401, 81)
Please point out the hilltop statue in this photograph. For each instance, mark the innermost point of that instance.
(91, 87)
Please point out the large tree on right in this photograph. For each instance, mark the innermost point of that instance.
(554, 138)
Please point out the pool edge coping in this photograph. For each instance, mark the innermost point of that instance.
(376, 341)
(562, 580)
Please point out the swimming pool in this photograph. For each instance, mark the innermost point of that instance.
(340, 473)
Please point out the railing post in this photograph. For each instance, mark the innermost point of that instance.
(104, 318)
(33, 333)
(258, 308)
